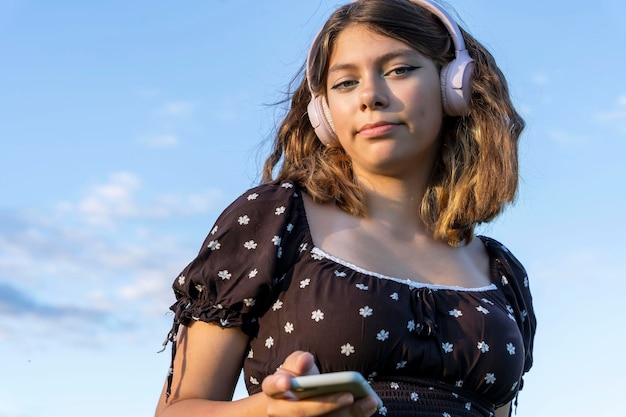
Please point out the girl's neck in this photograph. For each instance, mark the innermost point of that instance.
(394, 202)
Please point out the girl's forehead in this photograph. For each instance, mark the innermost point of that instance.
(359, 41)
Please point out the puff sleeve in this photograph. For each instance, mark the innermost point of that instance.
(232, 280)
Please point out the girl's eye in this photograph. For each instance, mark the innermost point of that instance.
(343, 85)
(401, 70)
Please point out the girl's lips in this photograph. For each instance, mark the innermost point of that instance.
(377, 129)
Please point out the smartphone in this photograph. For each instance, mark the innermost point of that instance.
(345, 381)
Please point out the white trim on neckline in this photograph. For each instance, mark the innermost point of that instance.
(319, 252)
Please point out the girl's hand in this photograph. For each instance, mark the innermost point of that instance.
(280, 402)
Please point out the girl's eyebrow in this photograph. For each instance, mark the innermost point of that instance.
(399, 53)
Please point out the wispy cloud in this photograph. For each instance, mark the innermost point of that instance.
(159, 140)
(617, 113)
(567, 138)
(18, 302)
(97, 264)
(177, 108)
(540, 78)
(118, 198)
(171, 117)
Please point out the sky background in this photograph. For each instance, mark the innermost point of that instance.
(127, 126)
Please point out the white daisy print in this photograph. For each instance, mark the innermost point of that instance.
(253, 196)
(484, 300)
(286, 185)
(249, 302)
(303, 246)
(505, 280)
(339, 274)
(253, 273)
(280, 210)
(447, 347)
(394, 296)
(483, 347)
(277, 305)
(254, 381)
(288, 327)
(214, 245)
(382, 411)
(411, 325)
(214, 230)
(362, 287)
(401, 364)
(482, 309)
(224, 322)
(250, 245)
(317, 315)
(394, 385)
(455, 313)
(276, 240)
(251, 354)
(446, 414)
(224, 274)
(199, 287)
(289, 227)
(347, 349)
(181, 280)
(510, 347)
(490, 378)
(468, 406)
(305, 282)
(366, 311)
(269, 342)
(243, 220)
(382, 335)
(414, 396)
(459, 383)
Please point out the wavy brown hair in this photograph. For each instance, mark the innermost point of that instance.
(476, 172)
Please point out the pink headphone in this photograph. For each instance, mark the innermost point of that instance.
(455, 80)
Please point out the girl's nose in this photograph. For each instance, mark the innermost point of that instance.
(373, 95)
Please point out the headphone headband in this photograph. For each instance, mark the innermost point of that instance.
(455, 78)
(447, 20)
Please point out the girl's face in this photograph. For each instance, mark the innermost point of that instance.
(384, 98)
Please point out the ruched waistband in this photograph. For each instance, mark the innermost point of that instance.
(409, 397)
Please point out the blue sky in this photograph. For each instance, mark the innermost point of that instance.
(127, 126)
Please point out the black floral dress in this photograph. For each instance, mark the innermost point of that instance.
(427, 350)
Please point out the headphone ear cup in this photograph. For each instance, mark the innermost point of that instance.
(319, 116)
(456, 79)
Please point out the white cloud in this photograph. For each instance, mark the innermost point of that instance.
(540, 78)
(119, 198)
(162, 140)
(567, 138)
(177, 108)
(147, 93)
(91, 267)
(617, 113)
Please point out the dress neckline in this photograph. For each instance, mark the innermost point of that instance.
(319, 253)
